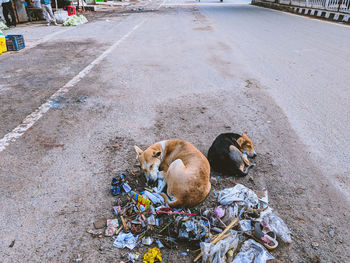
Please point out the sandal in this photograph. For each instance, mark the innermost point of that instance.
(264, 235)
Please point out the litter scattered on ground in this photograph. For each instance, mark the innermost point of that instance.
(58, 102)
(238, 229)
(79, 259)
(153, 255)
(75, 20)
(3, 26)
(12, 243)
(100, 223)
(140, 9)
(251, 251)
(125, 240)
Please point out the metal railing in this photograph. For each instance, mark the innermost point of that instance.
(330, 5)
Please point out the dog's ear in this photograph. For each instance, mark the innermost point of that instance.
(138, 150)
(156, 154)
(240, 141)
(245, 133)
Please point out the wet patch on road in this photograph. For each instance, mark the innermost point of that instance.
(221, 65)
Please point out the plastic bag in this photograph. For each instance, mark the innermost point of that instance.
(3, 26)
(238, 193)
(216, 253)
(147, 241)
(125, 240)
(245, 225)
(252, 252)
(219, 211)
(160, 187)
(61, 16)
(278, 225)
(159, 244)
(154, 197)
(75, 20)
(133, 256)
(230, 214)
(193, 229)
(151, 220)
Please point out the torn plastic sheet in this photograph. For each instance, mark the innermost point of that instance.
(216, 253)
(252, 252)
(238, 193)
(125, 240)
(245, 225)
(278, 225)
(160, 187)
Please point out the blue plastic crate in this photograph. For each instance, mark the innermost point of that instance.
(15, 42)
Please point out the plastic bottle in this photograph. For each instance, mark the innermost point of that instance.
(3, 47)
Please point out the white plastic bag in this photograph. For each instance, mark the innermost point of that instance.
(61, 16)
(278, 226)
(75, 20)
(238, 193)
(3, 26)
(216, 253)
(252, 252)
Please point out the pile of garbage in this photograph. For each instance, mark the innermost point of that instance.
(241, 228)
(75, 20)
(3, 26)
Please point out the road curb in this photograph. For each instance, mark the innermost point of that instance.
(306, 11)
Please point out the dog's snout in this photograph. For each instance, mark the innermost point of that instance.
(250, 155)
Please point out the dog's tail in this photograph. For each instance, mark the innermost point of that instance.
(244, 173)
(173, 204)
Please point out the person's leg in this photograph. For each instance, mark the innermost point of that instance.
(29, 15)
(51, 14)
(46, 15)
(12, 13)
(5, 11)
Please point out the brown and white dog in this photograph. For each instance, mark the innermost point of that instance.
(185, 170)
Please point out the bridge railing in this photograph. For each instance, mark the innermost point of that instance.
(330, 5)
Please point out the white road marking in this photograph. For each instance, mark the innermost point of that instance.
(32, 118)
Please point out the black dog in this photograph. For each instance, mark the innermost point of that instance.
(228, 154)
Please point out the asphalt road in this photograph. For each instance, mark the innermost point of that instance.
(304, 63)
(188, 70)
